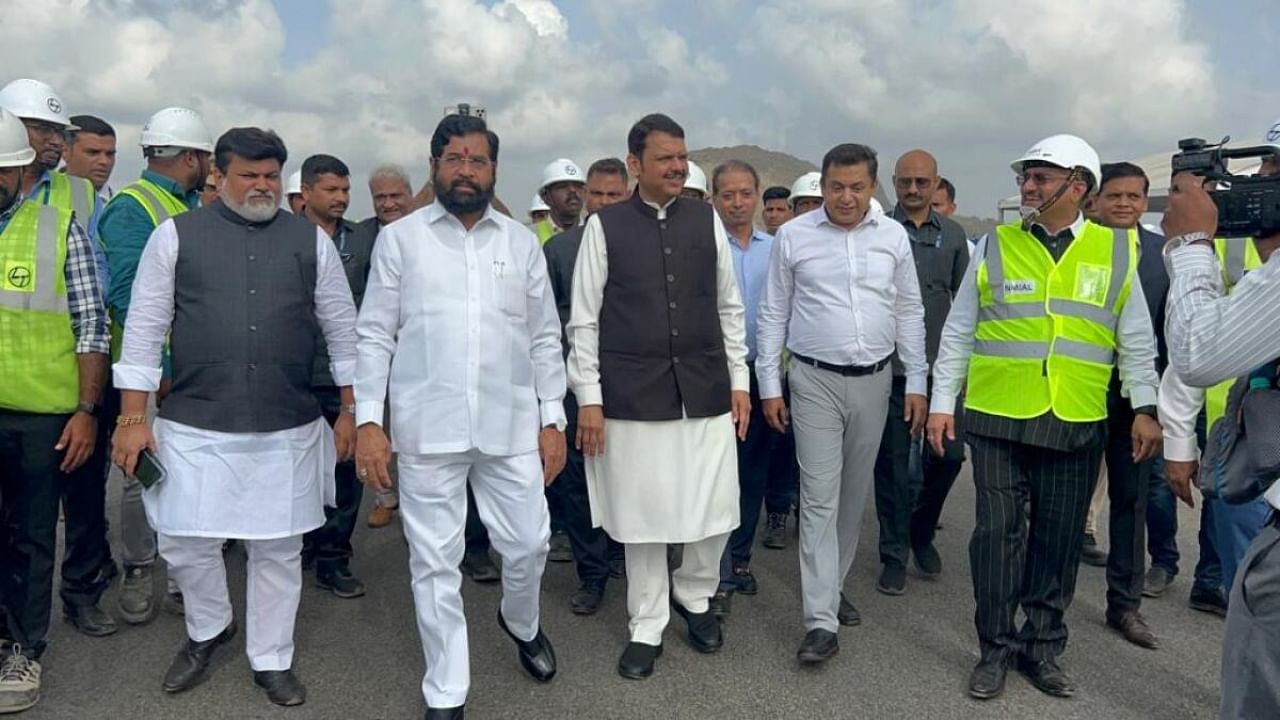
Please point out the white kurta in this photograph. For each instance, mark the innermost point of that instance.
(673, 481)
(255, 486)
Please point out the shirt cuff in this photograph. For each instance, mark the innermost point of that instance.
(1141, 396)
(552, 413)
(1180, 449)
(343, 371)
(917, 385)
(136, 377)
(770, 387)
(589, 394)
(369, 411)
(942, 404)
(740, 380)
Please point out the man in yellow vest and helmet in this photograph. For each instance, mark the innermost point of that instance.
(563, 188)
(178, 149)
(1046, 311)
(53, 361)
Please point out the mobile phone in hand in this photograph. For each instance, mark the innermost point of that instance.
(149, 470)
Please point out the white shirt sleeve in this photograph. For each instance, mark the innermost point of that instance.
(772, 315)
(589, 276)
(732, 314)
(150, 312)
(335, 311)
(952, 365)
(544, 335)
(1179, 405)
(376, 328)
(908, 311)
(1136, 349)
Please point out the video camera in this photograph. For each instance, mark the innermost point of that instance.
(1248, 205)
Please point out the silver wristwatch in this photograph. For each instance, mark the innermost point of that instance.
(349, 409)
(1185, 239)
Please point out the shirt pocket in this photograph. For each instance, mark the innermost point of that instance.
(509, 291)
(879, 269)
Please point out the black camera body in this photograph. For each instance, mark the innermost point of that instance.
(1248, 205)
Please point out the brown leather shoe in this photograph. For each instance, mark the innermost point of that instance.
(1134, 628)
(381, 516)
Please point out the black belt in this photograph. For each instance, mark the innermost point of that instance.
(845, 370)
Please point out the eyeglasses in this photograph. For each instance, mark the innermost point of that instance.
(906, 182)
(1040, 179)
(477, 162)
(43, 129)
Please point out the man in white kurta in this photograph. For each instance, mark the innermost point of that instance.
(460, 321)
(658, 348)
(241, 288)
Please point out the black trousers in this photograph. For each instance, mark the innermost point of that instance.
(908, 505)
(1028, 561)
(87, 566)
(592, 547)
(754, 455)
(330, 544)
(1128, 485)
(782, 489)
(31, 487)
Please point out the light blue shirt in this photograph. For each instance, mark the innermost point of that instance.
(751, 268)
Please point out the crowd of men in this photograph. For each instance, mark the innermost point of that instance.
(623, 382)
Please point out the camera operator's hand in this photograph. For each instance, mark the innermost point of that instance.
(1190, 208)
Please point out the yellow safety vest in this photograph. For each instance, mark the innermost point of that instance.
(1236, 257)
(545, 230)
(37, 346)
(1046, 333)
(72, 193)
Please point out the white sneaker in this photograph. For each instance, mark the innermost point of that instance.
(19, 682)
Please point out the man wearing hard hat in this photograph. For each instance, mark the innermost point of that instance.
(1048, 310)
(695, 184)
(562, 188)
(539, 211)
(806, 193)
(177, 147)
(53, 359)
(293, 193)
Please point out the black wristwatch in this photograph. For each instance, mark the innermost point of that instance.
(88, 408)
(1148, 410)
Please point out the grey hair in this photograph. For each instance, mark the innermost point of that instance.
(390, 171)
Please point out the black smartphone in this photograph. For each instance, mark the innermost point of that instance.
(149, 470)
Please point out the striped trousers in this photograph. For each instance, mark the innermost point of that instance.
(1025, 550)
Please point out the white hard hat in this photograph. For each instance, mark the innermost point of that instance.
(34, 100)
(15, 148)
(294, 185)
(537, 204)
(562, 170)
(696, 180)
(1272, 136)
(176, 127)
(1064, 151)
(808, 185)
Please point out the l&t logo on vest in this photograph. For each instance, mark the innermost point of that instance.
(17, 277)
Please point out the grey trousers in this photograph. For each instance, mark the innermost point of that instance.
(1251, 639)
(137, 539)
(838, 422)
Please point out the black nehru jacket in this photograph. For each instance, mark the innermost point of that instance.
(662, 352)
(244, 324)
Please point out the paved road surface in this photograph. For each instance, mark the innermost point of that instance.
(360, 659)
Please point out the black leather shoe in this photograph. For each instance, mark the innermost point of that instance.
(1134, 628)
(987, 679)
(480, 568)
(90, 620)
(720, 603)
(1047, 677)
(928, 561)
(586, 601)
(637, 660)
(1210, 600)
(282, 686)
(746, 582)
(819, 646)
(449, 713)
(848, 615)
(617, 568)
(536, 655)
(340, 582)
(1090, 553)
(893, 580)
(191, 665)
(704, 629)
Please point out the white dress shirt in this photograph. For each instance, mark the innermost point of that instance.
(845, 297)
(1179, 406)
(1135, 343)
(464, 326)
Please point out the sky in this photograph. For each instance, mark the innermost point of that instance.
(975, 82)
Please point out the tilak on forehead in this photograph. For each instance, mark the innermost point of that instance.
(466, 151)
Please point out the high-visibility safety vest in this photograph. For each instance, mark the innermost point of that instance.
(72, 193)
(1046, 334)
(545, 230)
(1237, 257)
(37, 346)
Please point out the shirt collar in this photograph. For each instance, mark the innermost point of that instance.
(436, 212)
(901, 216)
(1076, 227)
(871, 218)
(45, 179)
(8, 213)
(167, 183)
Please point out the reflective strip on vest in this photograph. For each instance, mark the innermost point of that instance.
(73, 193)
(159, 204)
(1028, 350)
(158, 211)
(44, 296)
(1233, 261)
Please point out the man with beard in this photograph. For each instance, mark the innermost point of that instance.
(91, 152)
(459, 330)
(326, 190)
(908, 506)
(658, 347)
(243, 289)
(777, 208)
(178, 149)
(562, 185)
(53, 358)
(593, 551)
